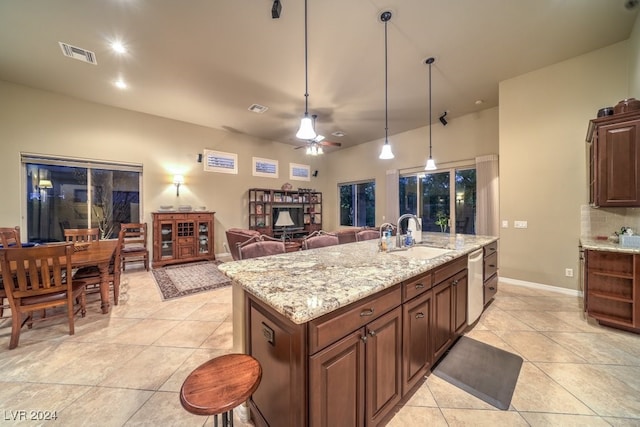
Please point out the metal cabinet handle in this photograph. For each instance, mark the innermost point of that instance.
(419, 286)
(372, 333)
(367, 312)
(454, 282)
(491, 288)
(491, 265)
(419, 315)
(364, 338)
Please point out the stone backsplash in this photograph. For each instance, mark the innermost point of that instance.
(605, 221)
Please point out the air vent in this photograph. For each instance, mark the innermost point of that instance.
(257, 108)
(78, 53)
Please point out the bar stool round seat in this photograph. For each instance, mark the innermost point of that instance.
(219, 385)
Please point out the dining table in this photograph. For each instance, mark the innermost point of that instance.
(95, 254)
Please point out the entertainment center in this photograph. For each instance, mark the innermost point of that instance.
(303, 206)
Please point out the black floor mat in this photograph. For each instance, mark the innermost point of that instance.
(486, 372)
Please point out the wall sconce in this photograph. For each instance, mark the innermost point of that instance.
(45, 184)
(177, 181)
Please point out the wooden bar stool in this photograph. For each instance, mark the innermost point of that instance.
(219, 385)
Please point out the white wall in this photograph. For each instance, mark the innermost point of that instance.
(46, 123)
(543, 123)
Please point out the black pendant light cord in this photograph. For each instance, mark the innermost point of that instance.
(430, 61)
(306, 72)
(386, 102)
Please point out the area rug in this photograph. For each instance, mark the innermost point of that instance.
(487, 372)
(176, 281)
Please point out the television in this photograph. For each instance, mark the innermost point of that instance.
(297, 216)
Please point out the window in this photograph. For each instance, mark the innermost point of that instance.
(358, 204)
(445, 200)
(79, 194)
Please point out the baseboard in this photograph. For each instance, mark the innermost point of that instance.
(535, 285)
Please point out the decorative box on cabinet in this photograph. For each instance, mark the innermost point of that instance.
(182, 237)
(614, 160)
(612, 289)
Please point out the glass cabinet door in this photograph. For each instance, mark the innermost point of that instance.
(204, 246)
(167, 240)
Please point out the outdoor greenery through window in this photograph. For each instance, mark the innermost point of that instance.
(358, 204)
(79, 194)
(444, 200)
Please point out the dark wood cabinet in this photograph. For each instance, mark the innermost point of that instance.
(337, 383)
(449, 304)
(417, 319)
(304, 207)
(614, 160)
(182, 237)
(612, 286)
(490, 271)
(354, 365)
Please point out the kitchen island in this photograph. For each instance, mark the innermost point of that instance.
(345, 332)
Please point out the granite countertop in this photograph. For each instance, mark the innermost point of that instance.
(304, 285)
(594, 244)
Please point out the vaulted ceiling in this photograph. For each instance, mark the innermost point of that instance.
(206, 61)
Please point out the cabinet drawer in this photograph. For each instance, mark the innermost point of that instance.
(490, 288)
(328, 329)
(490, 265)
(448, 270)
(167, 216)
(417, 285)
(185, 240)
(491, 248)
(610, 263)
(201, 216)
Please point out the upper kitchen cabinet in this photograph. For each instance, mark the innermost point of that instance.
(614, 160)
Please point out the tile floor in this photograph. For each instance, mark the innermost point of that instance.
(126, 368)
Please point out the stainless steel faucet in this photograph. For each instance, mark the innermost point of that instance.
(399, 241)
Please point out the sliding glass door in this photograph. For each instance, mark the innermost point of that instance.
(72, 194)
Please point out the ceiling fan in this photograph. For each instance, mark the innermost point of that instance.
(314, 146)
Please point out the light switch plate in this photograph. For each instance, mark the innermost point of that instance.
(520, 224)
(505, 223)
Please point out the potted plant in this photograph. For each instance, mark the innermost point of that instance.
(442, 220)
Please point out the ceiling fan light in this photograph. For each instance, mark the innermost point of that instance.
(306, 128)
(386, 152)
(320, 150)
(308, 150)
(431, 165)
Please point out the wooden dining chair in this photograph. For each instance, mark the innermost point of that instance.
(36, 279)
(91, 277)
(81, 235)
(259, 246)
(319, 239)
(9, 237)
(135, 244)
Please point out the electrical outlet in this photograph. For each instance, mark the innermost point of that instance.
(505, 223)
(568, 272)
(520, 224)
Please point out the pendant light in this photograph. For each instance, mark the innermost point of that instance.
(431, 164)
(386, 152)
(306, 130)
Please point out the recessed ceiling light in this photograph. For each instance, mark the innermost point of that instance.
(118, 47)
(338, 133)
(120, 84)
(479, 102)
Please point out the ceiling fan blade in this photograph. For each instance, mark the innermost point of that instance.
(331, 143)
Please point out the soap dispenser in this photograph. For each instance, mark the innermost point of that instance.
(408, 240)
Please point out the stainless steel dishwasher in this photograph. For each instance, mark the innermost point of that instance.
(475, 302)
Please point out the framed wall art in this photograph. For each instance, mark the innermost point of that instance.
(265, 167)
(219, 161)
(299, 172)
